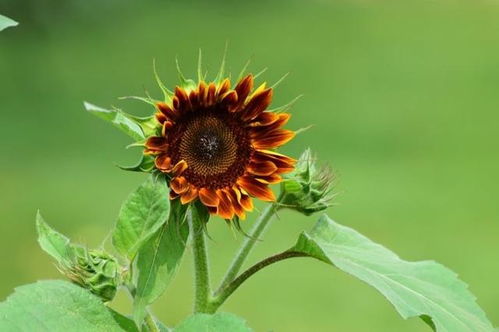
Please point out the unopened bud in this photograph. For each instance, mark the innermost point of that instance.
(308, 188)
(94, 270)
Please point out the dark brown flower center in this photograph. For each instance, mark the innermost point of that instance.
(215, 146)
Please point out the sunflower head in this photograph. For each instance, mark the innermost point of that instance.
(216, 142)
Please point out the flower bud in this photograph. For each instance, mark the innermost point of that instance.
(308, 188)
(94, 270)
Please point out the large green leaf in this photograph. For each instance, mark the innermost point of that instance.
(142, 214)
(219, 322)
(120, 119)
(6, 22)
(159, 259)
(425, 289)
(53, 306)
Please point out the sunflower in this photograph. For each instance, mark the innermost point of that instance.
(217, 143)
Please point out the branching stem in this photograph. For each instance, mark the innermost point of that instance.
(248, 244)
(227, 290)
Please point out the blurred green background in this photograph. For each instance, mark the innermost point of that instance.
(403, 96)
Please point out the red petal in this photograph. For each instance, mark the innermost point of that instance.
(243, 89)
(203, 92)
(273, 139)
(223, 87)
(229, 99)
(166, 126)
(269, 179)
(209, 197)
(194, 98)
(262, 168)
(179, 168)
(264, 119)
(235, 197)
(225, 209)
(246, 202)
(257, 104)
(160, 117)
(284, 163)
(179, 185)
(256, 189)
(167, 110)
(184, 104)
(210, 97)
(190, 195)
(279, 121)
(163, 162)
(156, 144)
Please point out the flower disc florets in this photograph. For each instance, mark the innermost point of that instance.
(216, 144)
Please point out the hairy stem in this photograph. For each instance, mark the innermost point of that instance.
(228, 289)
(148, 320)
(201, 272)
(248, 244)
(150, 323)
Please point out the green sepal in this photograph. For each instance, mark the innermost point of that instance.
(167, 93)
(286, 107)
(145, 164)
(221, 72)
(243, 70)
(186, 84)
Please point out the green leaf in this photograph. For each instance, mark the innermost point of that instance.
(124, 322)
(118, 118)
(53, 306)
(425, 289)
(141, 215)
(54, 243)
(6, 22)
(158, 260)
(219, 322)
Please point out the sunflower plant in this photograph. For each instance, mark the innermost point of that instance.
(209, 148)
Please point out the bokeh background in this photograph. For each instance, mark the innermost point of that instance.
(403, 96)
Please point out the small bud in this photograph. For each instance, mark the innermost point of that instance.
(94, 270)
(308, 188)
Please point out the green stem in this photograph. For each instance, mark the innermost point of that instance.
(226, 291)
(150, 323)
(201, 272)
(149, 320)
(248, 244)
